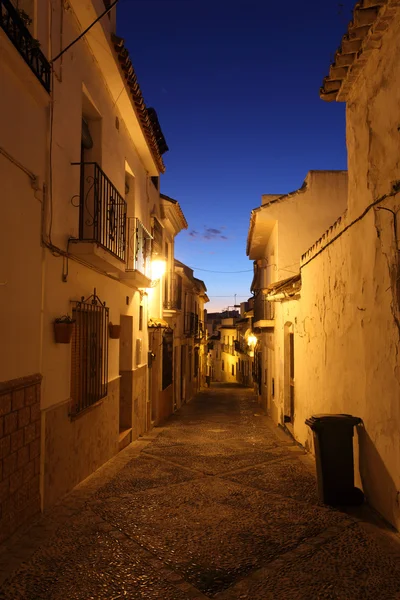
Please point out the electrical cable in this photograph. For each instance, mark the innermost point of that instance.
(395, 190)
(84, 32)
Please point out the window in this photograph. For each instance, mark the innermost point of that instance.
(141, 317)
(89, 361)
(167, 359)
(222, 365)
(233, 369)
(157, 233)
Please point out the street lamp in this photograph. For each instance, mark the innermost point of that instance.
(158, 268)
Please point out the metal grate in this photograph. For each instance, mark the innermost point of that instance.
(191, 324)
(102, 210)
(138, 247)
(89, 364)
(27, 46)
(263, 308)
(157, 233)
(173, 300)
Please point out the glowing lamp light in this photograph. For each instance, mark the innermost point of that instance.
(158, 268)
(252, 340)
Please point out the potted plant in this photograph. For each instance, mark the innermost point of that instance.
(63, 328)
(114, 331)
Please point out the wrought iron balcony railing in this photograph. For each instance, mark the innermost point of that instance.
(14, 27)
(173, 292)
(138, 247)
(263, 309)
(228, 349)
(102, 211)
(191, 326)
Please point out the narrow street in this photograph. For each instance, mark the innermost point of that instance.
(215, 504)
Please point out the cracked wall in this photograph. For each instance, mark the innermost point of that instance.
(348, 318)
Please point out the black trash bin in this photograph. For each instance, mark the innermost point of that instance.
(333, 439)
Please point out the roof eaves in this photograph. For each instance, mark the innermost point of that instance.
(145, 120)
(370, 20)
(178, 209)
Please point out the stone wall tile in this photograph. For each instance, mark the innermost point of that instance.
(23, 457)
(17, 440)
(5, 446)
(9, 464)
(24, 415)
(29, 433)
(35, 412)
(29, 472)
(4, 490)
(30, 395)
(10, 423)
(5, 404)
(16, 480)
(34, 449)
(18, 399)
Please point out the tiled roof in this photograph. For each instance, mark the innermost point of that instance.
(370, 20)
(179, 212)
(149, 122)
(289, 287)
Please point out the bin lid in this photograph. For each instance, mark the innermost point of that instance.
(334, 419)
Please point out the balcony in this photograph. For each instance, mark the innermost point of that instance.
(241, 346)
(229, 349)
(138, 255)
(15, 29)
(264, 312)
(192, 325)
(173, 293)
(102, 221)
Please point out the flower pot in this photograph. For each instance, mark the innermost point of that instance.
(114, 331)
(63, 332)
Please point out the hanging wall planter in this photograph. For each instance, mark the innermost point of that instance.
(63, 329)
(115, 331)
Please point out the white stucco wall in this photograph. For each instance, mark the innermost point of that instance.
(372, 121)
(346, 349)
(301, 218)
(23, 138)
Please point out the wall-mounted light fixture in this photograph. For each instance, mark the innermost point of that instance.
(251, 342)
(158, 268)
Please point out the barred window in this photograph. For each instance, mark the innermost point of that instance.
(89, 364)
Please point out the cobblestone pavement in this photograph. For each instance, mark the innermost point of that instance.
(219, 504)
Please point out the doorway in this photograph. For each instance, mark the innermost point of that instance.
(289, 381)
(126, 379)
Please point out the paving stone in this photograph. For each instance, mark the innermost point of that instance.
(217, 503)
(189, 528)
(290, 479)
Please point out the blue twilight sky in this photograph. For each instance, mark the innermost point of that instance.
(235, 85)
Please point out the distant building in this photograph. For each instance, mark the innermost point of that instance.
(281, 229)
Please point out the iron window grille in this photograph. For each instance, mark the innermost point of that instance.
(191, 324)
(89, 363)
(173, 300)
(157, 233)
(138, 247)
(102, 210)
(25, 43)
(263, 308)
